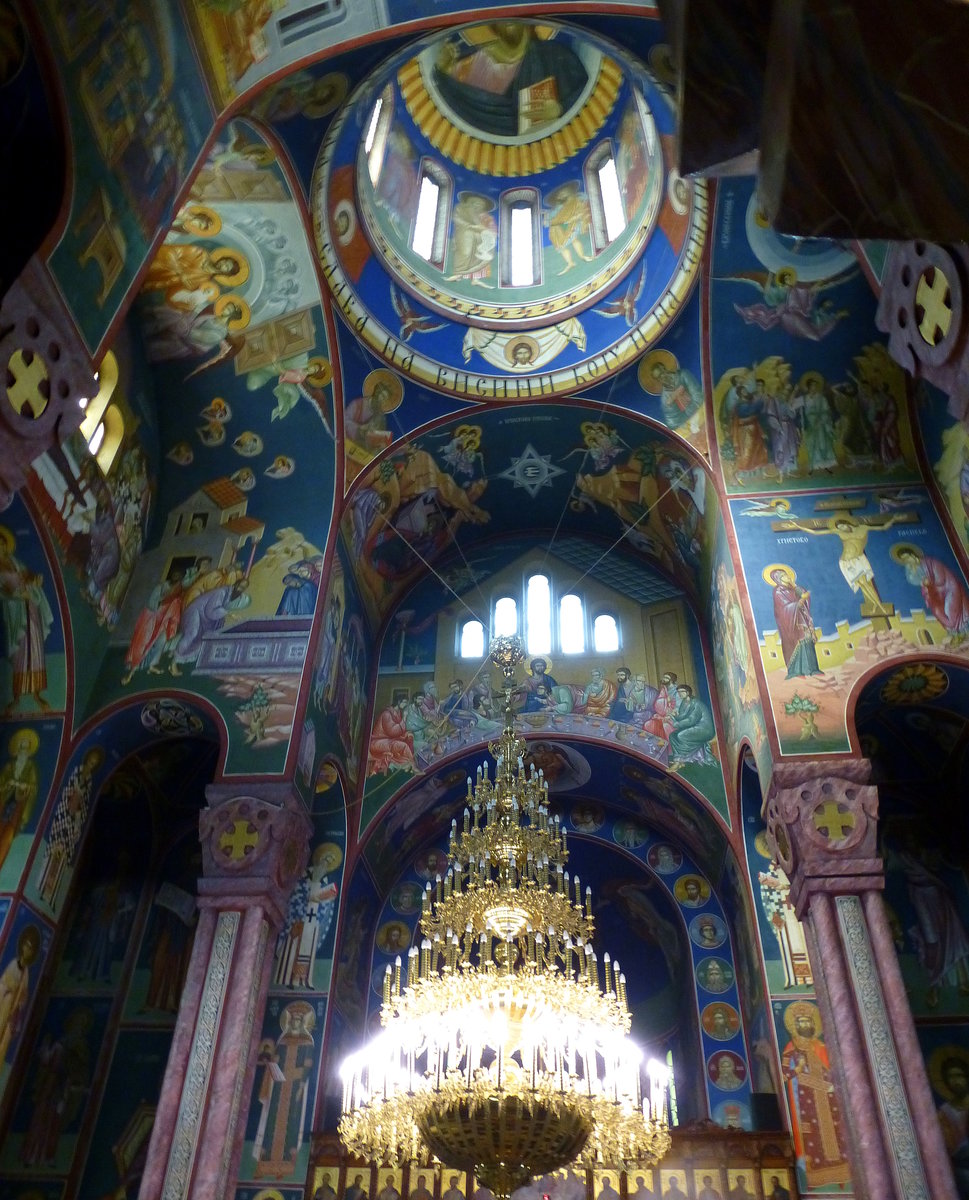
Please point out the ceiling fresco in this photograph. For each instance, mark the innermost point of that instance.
(556, 330)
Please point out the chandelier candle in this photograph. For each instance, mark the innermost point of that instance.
(504, 1052)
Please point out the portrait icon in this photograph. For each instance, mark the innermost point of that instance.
(726, 1070)
(691, 891)
(720, 1021)
(664, 859)
(714, 974)
(393, 937)
(708, 931)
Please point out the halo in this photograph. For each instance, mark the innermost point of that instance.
(798, 1008)
(562, 190)
(534, 658)
(299, 1006)
(30, 735)
(940, 1055)
(333, 88)
(324, 850)
(772, 567)
(390, 380)
(900, 547)
(322, 372)
(810, 377)
(241, 272)
(96, 755)
(761, 846)
(648, 369)
(521, 340)
(235, 323)
(345, 208)
(8, 540)
(191, 223)
(786, 276)
(678, 193)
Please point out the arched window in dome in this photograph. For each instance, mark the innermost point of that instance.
(378, 127)
(605, 197)
(472, 643)
(605, 633)
(572, 624)
(519, 238)
(429, 238)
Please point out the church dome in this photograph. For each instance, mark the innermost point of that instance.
(498, 202)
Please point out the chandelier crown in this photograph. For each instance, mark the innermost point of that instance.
(505, 1049)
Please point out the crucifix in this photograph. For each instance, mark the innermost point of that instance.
(853, 562)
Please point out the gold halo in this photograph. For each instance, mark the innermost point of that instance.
(345, 207)
(521, 340)
(761, 846)
(390, 380)
(95, 755)
(796, 1009)
(648, 369)
(534, 658)
(303, 1006)
(940, 1055)
(239, 322)
(562, 190)
(322, 372)
(810, 377)
(337, 83)
(269, 1194)
(323, 850)
(190, 222)
(897, 549)
(30, 735)
(240, 274)
(8, 540)
(772, 567)
(786, 276)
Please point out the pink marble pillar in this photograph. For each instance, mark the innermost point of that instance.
(255, 844)
(822, 823)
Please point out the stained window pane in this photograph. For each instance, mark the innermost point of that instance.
(506, 617)
(539, 615)
(571, 625)
(472, 640)
(605, 633)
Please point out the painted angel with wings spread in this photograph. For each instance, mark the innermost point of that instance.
(792, 305)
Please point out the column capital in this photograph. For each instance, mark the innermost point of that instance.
(822, 825)
(255, 845)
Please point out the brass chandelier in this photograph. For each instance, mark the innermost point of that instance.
(504, 1051)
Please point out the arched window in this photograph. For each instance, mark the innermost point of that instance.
(472, 640)
(571, 624)
(506, 617)
(605, 197)
(429, 238)
(103, 424)
(378, 127)
(519, 239)
(605, 634)
(538, 619)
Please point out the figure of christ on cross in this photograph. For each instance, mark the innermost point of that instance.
(853, 562)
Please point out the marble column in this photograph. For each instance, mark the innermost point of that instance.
(255, 846)
(822, 823)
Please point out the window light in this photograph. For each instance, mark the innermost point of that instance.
(605, 634)
(611, 199)
(506, 617)
(96, 438)
(472, 640)
(522, 242)
(571, 625)
(372, 128)
(423, 240)
(539, 615)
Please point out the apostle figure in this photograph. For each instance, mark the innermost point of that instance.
(943, 593)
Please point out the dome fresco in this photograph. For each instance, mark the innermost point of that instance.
(469, 134)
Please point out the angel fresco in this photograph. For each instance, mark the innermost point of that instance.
(791, 305)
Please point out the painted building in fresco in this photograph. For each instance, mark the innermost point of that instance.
(357, 358)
